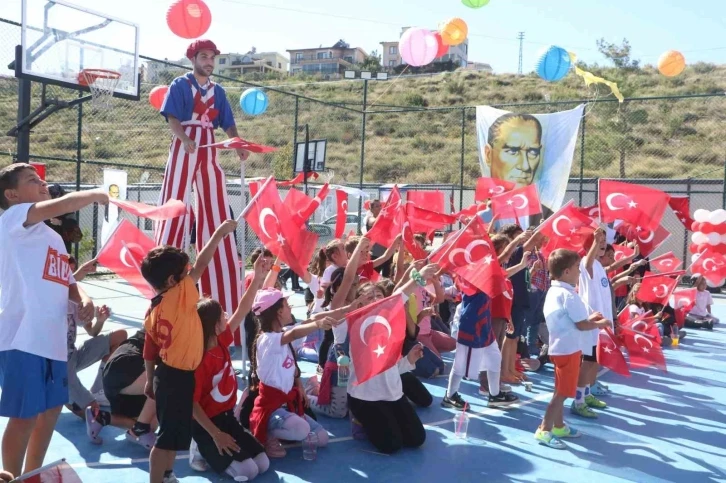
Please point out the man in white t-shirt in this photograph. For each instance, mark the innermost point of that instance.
(594, 290)
(36, 284)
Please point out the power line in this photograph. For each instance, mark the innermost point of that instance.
(520, 36)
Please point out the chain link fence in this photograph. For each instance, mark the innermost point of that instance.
(672, 143)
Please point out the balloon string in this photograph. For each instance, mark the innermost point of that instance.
(388, 88)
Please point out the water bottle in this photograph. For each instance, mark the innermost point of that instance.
(343, 370)
(310, 447)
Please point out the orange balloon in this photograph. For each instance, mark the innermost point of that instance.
(454, 31)
(671, 63)
(157, 96)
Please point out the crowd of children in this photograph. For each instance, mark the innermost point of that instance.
(172, 385)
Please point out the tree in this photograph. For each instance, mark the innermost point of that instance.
(619, 54)
(282, 162)
(372, 62)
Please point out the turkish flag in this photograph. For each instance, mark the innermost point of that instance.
(389, 223)
(644, 324)
(123, 253)
(682, 302)
(681, 207)
(278, 231)
(644, 350)
(423, 220)
(237, 143)
(58, 472)
(710, 264)
(296, 201)
(574, 243)
(623, 251)
(591, 211)
(297, 179)
(315, 203)
(633, 203)
(341, 212)
(376, 333)
(566, 222)
(486, 188)
(431, 200)
(666, 263)
(170, 209)
(656, 289)
(648, 240)
(470, 254)
(609, 355)
(517, 203)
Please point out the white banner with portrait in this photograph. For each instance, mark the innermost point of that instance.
(529, 148)
(115, 183)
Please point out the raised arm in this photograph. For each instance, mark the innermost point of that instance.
(262, 266)
(308, 327)
(45, 210)
(592, 253)
(351, 271)
(205, 256)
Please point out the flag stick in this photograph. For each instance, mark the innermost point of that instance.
(242, 223)
(254, 198)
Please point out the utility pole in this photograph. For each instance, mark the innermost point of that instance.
(520, 36)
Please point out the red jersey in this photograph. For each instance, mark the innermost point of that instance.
(215, 383)
(502, 303)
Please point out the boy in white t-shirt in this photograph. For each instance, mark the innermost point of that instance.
(567, 322)
(594, 290)
(36, 284)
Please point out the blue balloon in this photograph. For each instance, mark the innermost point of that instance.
(553, 64)
(253, 102)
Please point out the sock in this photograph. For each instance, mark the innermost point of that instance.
(587, 390)
(103, 418)
(580, 397)
(454, 383)
(140, 429)
(493, 379)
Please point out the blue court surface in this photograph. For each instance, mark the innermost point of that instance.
(660, 427)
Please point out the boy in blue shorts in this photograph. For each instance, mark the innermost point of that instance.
(36, 283)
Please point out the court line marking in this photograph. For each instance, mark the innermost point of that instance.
(475, 414)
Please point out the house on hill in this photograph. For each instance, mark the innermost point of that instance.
(330, 62)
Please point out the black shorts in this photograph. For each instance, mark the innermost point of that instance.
(126, 405)
(120, 372)
(249, 447)
(174, 393)
(591, 357)
(519, 321)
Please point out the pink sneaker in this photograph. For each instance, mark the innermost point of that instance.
(93, 427)
(274, 448)
(147, 440)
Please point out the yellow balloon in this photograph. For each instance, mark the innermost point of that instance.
(671, 63)
(454, 31)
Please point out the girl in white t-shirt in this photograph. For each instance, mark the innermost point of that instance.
(635, 306)
(279, 409)
(330, 258)
(700, 315)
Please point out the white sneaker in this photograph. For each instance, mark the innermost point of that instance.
(101, 398)
(196, 460)
(170, 479)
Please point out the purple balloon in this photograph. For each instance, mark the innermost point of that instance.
(418, 47)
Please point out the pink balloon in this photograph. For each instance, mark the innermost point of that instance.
(418, 47)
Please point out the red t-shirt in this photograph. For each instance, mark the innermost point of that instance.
(502, 303)
(248, 279)
(215, 383)
(367, 273)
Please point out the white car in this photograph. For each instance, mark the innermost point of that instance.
(351, 222)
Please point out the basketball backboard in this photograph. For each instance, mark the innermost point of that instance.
(59, 40)
(316, 155)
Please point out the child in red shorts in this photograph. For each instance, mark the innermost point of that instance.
(566, 317)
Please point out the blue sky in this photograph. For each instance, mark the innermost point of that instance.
(694, 27)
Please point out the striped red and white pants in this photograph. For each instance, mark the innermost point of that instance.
(221, 280)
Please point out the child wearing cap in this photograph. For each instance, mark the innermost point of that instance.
(279, 409)
(174, 346)
(568, 324)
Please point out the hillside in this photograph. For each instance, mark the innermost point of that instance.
(665, 138)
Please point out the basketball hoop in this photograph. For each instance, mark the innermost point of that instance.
(102, 83)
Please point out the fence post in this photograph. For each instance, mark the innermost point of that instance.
(461, 162)
(362, 153)
(294, 136)
(582, 154)
(685, 229)
(79, 138)
(723, 189)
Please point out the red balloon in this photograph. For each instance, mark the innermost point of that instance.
(443, 48)
(720, 228)
(189, 19)
(695, 226)
(157, 96)
(720, 248)
(707, 228)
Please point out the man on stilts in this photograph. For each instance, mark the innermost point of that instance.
(194, 107)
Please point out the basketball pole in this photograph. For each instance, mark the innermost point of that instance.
(23, 134)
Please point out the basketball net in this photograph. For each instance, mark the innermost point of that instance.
(102, 84)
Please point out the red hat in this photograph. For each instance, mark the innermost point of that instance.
(201, 44)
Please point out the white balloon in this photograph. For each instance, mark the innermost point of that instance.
(701, 215)
(714, 239)
(723, 238)
(717, 216)
(699, 238)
